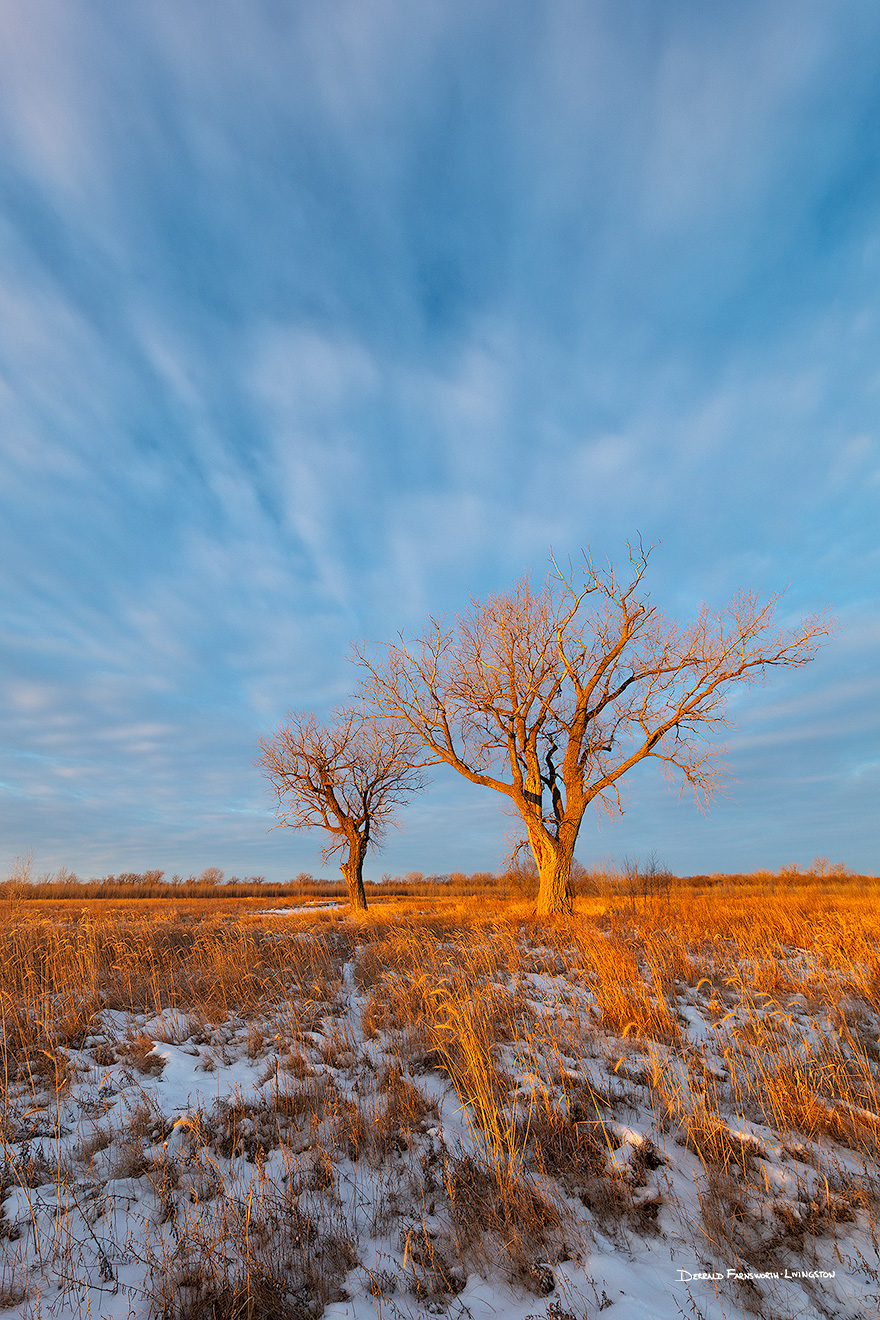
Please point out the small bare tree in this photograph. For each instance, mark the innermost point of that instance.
(346, 777)
(550, 697)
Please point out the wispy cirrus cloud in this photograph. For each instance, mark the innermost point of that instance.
(316, 319)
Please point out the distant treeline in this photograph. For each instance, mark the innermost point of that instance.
(631, 881)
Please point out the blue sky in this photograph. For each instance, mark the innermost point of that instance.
(316, 318)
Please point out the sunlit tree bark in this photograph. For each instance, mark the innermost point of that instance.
(550, 697)
(346, 777)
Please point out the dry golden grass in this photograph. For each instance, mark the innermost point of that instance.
(442, 981)
(507, 1008)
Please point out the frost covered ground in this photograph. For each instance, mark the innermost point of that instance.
(465, 1113)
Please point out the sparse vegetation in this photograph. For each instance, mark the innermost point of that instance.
(210, 1110)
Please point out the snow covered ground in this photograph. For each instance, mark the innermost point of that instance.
(303, 907)
(449, 1121)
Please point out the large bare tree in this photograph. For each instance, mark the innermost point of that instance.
(551, 696)
(346, 777)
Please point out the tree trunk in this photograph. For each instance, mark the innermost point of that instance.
(554, 878)
(353, 870)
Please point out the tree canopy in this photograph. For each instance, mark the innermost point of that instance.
(551, 696)
(347, 777)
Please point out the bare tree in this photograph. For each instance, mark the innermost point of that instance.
(346, 777)
(551, 696)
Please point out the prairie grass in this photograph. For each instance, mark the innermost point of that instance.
(459, 1079)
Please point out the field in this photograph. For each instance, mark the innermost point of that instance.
(236, 1110)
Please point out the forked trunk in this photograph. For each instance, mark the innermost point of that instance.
(353, 870)
(553, 858)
